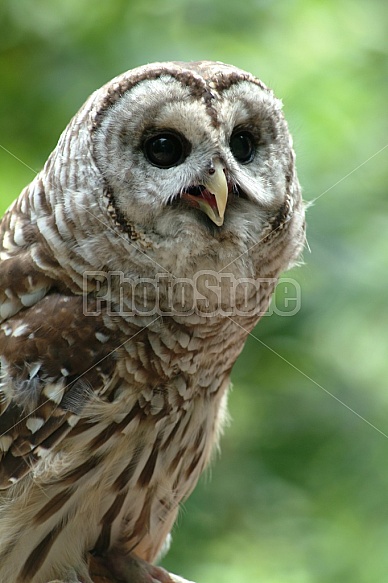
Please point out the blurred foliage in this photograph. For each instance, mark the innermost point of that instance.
(300, 494)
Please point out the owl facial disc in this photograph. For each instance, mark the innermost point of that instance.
(212, 196)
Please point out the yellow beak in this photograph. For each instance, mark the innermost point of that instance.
(212, 195)
(217, 185)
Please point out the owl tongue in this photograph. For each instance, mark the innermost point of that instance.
(201, 198)
(198, 194)
(209, 198)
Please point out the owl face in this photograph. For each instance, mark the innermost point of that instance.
(201, 146)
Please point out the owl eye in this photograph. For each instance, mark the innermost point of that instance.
(242, 146)
(165, 150)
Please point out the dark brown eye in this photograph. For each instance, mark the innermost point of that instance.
(165, 150)
(242, 146)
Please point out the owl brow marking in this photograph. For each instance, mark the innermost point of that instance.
(84, 373)
(310, 379)
(195, 83)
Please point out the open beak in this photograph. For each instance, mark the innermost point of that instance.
(212, 196)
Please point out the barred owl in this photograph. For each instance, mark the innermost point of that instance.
(133, 267)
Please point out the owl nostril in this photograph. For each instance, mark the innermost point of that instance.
(212, 169)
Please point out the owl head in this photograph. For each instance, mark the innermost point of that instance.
(187, 154)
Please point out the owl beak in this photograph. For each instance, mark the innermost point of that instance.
(217, 187)
(212, 195)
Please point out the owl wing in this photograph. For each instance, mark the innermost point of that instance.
(52, 358)
(52, 353)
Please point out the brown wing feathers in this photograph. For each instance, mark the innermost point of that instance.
(48, 357)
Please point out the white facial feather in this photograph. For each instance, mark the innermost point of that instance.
(144, 191)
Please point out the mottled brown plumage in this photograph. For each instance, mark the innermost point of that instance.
(132, 269)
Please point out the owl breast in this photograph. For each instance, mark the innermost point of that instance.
(150, 444)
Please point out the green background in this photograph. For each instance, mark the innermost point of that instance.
(300, 493)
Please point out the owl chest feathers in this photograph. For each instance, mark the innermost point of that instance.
(128, 490)
(148, 455)
(137, 447)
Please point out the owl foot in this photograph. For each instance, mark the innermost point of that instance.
(127, 568)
